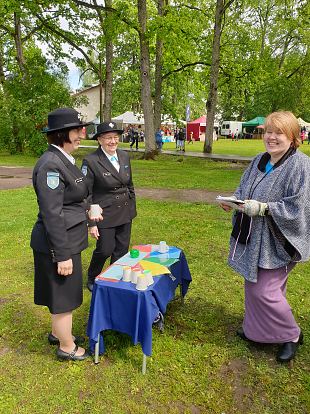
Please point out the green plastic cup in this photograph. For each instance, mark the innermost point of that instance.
(134, 253)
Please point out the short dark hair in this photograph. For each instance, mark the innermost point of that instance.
(58, 137)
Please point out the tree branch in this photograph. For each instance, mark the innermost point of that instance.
(183, 67)
(297, 69)
(66, 36)
(107, 9)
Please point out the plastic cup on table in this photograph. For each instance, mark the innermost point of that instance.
(141, 282)
(163, 247)
(134, 253)
(126, 274)
(149, 277)
(135, 273)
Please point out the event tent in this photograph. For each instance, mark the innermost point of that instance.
(303, 123)
(129, 117)
(255, 122)
(198, 128)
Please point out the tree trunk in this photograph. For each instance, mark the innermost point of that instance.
(2, 75)
(146, 96)
(158, 71)
(18, 44)
(108, 85)
(214, 74)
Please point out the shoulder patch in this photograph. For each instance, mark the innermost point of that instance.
(84, 170)
(52, 179)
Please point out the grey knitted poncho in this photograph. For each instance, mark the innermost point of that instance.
(286, 190)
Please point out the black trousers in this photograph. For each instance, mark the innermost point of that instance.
(134, 140)
(113, 242)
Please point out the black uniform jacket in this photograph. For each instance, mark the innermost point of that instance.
(62, 193)
(112, 190)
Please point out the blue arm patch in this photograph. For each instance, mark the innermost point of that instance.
(52, 179)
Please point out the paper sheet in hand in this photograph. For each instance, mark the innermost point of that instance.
(230, 201)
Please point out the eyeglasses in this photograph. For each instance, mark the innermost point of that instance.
(109, 139)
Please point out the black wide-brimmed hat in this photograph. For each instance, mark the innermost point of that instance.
(64, 118)
(105, 127)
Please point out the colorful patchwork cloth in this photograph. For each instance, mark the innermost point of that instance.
(149, 259)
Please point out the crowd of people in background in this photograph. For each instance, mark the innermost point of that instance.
(135, 134)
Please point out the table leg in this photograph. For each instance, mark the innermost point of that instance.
(97, 350)
(182, 297)
(144, 364)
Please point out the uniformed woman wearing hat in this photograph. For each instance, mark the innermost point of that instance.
(108, 174)
(60, 233)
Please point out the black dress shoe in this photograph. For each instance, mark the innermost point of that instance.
(288, 350)
(70, 356)
(53, 340)
(241, 334)
(90, 286)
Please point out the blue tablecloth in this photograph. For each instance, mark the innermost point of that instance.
(120, 307)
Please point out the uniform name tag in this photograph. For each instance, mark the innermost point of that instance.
(52, 179)
(79, 180)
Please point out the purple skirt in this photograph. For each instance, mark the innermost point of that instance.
(268, 317)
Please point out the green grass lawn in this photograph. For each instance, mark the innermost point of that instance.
(198, 365)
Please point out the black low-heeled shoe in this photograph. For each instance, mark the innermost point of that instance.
(71, 356)
(241, 334)
(288, 350)
(90, 286)
(53, 340)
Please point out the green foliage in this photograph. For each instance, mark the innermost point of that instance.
(25, 102)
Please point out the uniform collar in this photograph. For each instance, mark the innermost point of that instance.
(68, 156)
(109, 157)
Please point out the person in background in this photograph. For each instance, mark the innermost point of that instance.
(60, 233)
(135, 138)
(109, 179)
(271, 233)
(302, 135)
(308, 137)
(191, 138)
(159, 139)
(176, 137)
(181, 139)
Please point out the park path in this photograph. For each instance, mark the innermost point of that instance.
(18, 177)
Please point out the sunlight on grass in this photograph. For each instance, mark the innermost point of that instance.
(197, 366)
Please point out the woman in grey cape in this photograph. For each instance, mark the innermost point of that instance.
(271, 232)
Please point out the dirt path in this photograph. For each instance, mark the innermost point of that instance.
(17, 177)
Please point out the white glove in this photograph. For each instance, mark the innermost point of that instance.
(254, 208)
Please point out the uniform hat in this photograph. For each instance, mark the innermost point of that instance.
(64, 118)
(107, 127)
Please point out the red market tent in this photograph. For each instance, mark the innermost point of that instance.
(197, 127)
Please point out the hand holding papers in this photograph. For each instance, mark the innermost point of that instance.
(231, 202)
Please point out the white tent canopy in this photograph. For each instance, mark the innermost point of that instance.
(129, 118)
(303, 123)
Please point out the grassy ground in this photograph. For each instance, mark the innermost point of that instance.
(243, 147)
(198, 365)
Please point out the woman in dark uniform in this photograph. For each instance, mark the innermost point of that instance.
(108, 175)
(60, 233)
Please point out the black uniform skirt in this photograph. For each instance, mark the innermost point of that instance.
(59, 293)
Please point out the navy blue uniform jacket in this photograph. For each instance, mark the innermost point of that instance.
(62, 194)
(112, 190)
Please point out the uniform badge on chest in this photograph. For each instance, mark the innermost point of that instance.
(84, 170)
